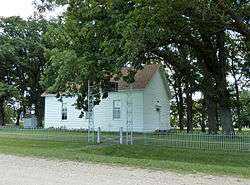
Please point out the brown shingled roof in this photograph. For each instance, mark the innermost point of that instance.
(142, 77)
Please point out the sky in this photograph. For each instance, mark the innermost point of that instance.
(22, 8)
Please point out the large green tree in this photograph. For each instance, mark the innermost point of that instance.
(106, 35)
(7, 61)
(24, 60)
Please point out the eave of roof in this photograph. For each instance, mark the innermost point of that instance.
(142, 78)
(165, 81)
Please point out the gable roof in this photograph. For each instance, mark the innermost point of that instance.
(142, 77)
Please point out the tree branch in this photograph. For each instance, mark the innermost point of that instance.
(240, 26)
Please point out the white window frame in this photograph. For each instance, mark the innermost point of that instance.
(64, 112)
(116, 109)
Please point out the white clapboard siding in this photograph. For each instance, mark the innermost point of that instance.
(53, 113)
(156, 91)
(145, 116)
(103, 113)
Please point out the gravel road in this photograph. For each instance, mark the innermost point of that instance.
(31, 171)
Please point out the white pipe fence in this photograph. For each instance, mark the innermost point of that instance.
(183, 140)
(196, 141)
(200, 141)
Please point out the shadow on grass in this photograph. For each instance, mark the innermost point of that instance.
(172, 154)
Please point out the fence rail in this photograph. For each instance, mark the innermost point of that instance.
(196, 141)
(239, 142)
(200, 141)
(59, 135)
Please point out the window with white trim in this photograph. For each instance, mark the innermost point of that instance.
(116, 109)
(64, 111)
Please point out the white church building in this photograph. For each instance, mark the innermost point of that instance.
(150, 97)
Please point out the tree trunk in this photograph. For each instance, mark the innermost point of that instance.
(215, 72)
(177, 105)
(202, 124)
(189, 103)
(226, 120)
(221, 84)
(203, 116)
(217, 117)
(238, 108)
(209, 90)
(210, 101)
(39, 106)
(211, 112)
(225, 112)
(2, 121)
(19, 111)
(181, 105)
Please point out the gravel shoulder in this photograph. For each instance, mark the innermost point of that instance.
(16, 170)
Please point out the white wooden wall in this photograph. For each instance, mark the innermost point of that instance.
(155, 91)
(103, 113)
(145, 116)
(53, 116)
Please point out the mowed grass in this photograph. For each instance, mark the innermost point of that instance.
(73, 146)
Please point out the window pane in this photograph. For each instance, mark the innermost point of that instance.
(117, 103)
(116, 109)
(64, 111)
(116, 114)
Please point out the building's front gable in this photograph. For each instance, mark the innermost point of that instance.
(157, 104)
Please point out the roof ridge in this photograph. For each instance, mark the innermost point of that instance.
(142, 77)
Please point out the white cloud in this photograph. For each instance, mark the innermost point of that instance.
(22, 8)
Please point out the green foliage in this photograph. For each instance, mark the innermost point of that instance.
(7, 90)
(57, 70)
(245, 114)
(10, 115)
(193, 38)
(173, 115)
(82, 53)
(22, 46)
(7, 64)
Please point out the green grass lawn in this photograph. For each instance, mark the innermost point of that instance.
(73, 146)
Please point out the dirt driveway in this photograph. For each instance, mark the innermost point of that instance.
(31, 171)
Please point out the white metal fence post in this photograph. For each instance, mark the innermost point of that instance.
(121, 135)
(98, 135)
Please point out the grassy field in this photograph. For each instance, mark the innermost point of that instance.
(73, 146)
